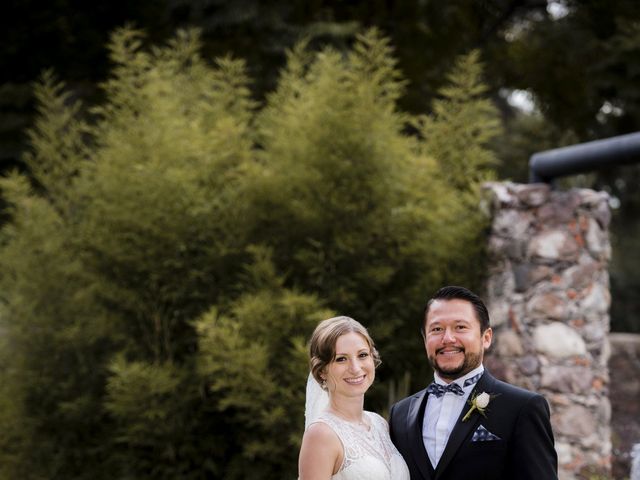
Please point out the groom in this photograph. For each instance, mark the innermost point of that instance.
(467, 424)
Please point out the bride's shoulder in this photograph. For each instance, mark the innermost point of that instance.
(320, 431)
(321, 439)
(320, 452)
(377, 418)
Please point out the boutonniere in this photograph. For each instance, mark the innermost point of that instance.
(478, 402)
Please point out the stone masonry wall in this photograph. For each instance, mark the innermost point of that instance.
(548, 296)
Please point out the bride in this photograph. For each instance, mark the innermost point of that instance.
(342, 441)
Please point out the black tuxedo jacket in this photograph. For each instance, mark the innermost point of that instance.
(519, 418)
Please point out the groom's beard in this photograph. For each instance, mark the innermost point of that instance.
(471, 361)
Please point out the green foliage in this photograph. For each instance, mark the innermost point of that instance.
(253, 360)
(54, 346)
(459, 134)
(171, 145)
(162, 274)
(57, 140)
(152, 407)
(463, 123)
(584, 91)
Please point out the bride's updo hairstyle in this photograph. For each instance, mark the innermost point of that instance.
(322, 350)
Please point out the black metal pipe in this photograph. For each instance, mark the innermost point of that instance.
(547, 165)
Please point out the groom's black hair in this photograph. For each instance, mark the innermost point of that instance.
(453, 292)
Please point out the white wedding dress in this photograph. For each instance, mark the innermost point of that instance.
(368, 454)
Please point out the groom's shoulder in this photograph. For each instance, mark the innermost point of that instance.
(406, 402)
(513, 392)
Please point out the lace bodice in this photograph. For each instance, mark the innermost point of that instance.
(368, 454)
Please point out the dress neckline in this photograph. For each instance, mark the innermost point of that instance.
(363, 425)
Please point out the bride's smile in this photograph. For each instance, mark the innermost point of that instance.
(355, 381)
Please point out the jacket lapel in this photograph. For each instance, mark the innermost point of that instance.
(462, 430)
(414, 427)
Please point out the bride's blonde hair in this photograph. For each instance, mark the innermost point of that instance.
(322, 348)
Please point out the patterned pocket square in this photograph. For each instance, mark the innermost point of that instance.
(483, 435)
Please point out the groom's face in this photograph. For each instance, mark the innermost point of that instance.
(453, 340)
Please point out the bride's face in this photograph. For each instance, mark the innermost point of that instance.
(352, 371)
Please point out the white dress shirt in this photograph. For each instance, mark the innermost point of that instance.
(441, 414)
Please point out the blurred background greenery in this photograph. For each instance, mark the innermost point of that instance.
(189, 186)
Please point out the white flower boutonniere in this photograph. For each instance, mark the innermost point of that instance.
(478, 402)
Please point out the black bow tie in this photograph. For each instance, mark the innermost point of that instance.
(439, 390)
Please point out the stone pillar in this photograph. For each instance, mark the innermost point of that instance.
(548, 296)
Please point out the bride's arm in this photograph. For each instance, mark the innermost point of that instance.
(320, 454)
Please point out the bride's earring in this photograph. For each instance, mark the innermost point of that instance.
(323, 384)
